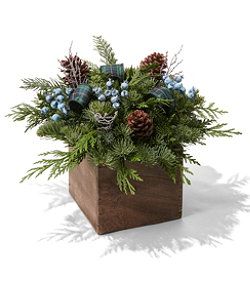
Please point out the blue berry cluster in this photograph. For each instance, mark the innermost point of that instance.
(56, 100)
(174, 83)
(111, 93)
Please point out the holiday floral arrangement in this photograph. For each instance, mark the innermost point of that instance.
(115, 116)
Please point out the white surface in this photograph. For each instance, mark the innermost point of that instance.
(209, 247)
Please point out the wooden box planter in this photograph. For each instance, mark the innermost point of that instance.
(157, 198)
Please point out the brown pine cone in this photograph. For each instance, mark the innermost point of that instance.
(140, 123)
(75, 70)
(155, 63)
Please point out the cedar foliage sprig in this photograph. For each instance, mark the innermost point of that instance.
(26, 112)
(105, 50)
(40, 84)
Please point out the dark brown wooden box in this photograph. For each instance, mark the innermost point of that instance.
(94, 189)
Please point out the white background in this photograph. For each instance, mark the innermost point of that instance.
(209, 247)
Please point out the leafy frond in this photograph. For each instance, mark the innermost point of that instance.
(210, 111)
(218, 131)
(105, 50)
(40, 84)
(58, 163)
(26, 112)
(124, 177)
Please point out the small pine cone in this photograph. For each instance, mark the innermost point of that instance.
(75, 70)
(155, 60)
(140, 123)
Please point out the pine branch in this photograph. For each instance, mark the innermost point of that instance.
(40, 84)
(63, 161)
(153, 101)
(219, 131)
(210, 110)
(190, 159)
(26, 112)
(105, 50)
(124, 175)
(58, 164)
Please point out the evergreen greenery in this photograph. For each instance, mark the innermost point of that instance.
(179, 121)
(105, 50)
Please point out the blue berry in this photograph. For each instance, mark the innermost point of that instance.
(54, 104)
(170, 85)
(124, 85)
(61, 106)
(115, 92)
(177, 85)
(57, 90)
(109, 83)
(124, 93)
(45, 110)
(183, 89)
(64, 110)
(55, 117)
(97, 90)
(114, 99)
(48, 98)
(68, 90)
(60, 98)
(168, 80)
(108, 92)
(116, 105)
(164, 77)
(178, 78)
(102, 97)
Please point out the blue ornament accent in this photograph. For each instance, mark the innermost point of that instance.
(48, 98)
(68, 90)
(97, 90)
(124, 85)
(114, 99)
(55, 117)
(109, 83)
(116, 105)
(102, 97)
(164, 77)
(57, 90)
(178, 78)
(177, 85)
(54, 104)
(124, 93)
(45, 110)
(183, 89)
(61, 106)
(115, 92)
(64, 110)
(171, 85)
(168, 80)
(60, 98)
(108, 92)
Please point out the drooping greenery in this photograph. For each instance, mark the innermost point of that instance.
(101, 133)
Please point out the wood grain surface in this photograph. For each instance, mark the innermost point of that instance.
(94, 189)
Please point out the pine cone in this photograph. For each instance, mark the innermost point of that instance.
(155, 60)
(75, 70)
(141, 123)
